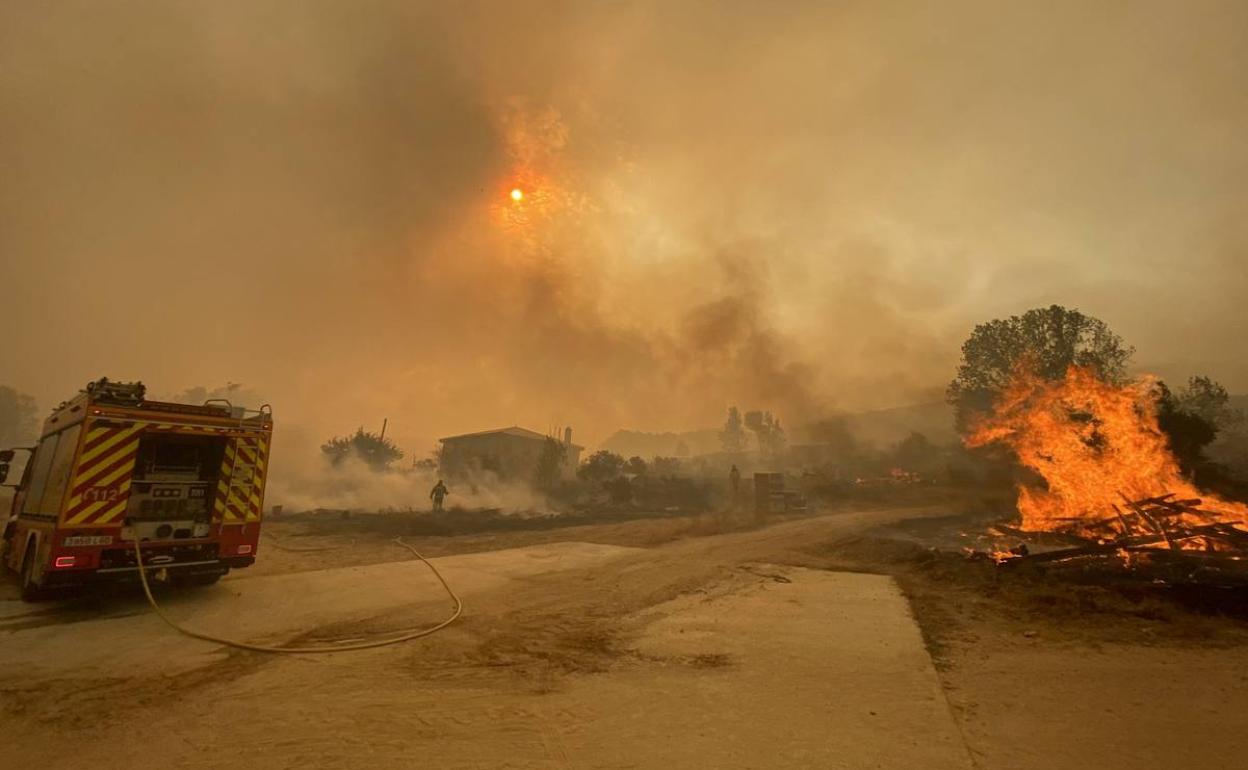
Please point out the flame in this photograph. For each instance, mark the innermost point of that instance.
(1093, 443)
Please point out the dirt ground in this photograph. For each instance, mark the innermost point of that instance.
(1044, 672)
(1038, 673)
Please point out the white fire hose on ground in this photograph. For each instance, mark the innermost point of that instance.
(402, 637)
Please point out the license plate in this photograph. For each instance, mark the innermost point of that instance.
(88, 540)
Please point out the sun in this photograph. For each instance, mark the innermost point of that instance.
(517, 194)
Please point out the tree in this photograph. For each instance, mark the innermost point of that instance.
(767, 430)
(1193, 418)
(665, 467)
(429, 462)
(1206, 397)
(636, 466)
(550, 463)
(376, 451)
(620, 490)
(732, 437)
(601, 466)
(1051, 339)
(18, 418)
(835, 434)
(1231, 447)
(916, 453)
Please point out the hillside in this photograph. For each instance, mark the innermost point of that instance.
(884, 427)
(630, 443)
(879, 428)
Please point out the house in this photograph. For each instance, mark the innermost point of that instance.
(512, 453)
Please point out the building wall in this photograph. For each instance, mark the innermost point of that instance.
(514, 458)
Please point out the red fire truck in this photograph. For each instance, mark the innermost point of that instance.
(111, 466)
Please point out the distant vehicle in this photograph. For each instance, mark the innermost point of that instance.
(770, 496)
(111, 466)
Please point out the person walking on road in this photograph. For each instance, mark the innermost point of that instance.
(438, 494)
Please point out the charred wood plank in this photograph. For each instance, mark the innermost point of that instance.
(1138, 508)
(1067, 537)
(1062, 554)
(1127, 531)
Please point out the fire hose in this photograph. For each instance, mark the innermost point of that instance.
(404, 636)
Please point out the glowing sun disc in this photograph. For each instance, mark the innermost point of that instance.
(517, 194)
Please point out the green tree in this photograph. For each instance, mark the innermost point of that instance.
(1192, 418)
(732, 437)
(376, 452)
(1231, 447)
(1051, 339)
(19, 422)
(601, 466)
(1206, 397)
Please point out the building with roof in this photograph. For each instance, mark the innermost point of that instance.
(510, 453)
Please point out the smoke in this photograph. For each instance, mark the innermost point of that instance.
(801, 208)
(309, 483)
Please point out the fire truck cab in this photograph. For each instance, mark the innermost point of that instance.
(111, 466)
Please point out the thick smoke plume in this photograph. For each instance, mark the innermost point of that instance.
(799, 207)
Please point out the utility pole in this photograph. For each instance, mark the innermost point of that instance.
(384, 422)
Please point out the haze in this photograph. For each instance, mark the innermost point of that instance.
(801, 207)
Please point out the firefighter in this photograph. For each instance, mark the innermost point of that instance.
(438, 494)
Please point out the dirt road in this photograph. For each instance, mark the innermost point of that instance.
(580, 664)
(698, 649)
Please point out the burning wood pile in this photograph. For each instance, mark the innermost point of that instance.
(1100, 459)
(1143, 526)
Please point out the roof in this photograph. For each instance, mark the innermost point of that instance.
(515, 431)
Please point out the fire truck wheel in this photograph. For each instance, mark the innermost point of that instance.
(31, 592)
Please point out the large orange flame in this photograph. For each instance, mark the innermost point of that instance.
(1094, 443)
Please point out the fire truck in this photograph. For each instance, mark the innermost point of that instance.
(111, 466)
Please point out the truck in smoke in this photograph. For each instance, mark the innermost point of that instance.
(113, 470)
